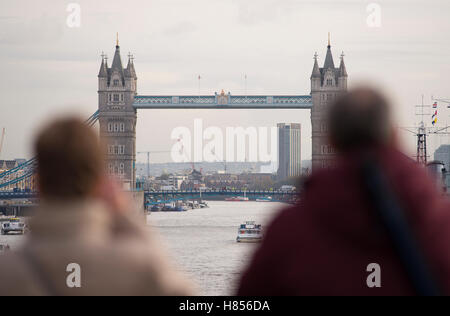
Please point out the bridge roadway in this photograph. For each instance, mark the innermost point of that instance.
(9, 195)
(224, 102)
(223, 192)
(250, 193)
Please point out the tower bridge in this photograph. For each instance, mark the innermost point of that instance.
(119, 102)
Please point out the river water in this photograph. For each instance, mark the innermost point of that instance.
(202, 242)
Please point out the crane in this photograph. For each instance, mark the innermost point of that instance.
(148, 157)
(1, 139)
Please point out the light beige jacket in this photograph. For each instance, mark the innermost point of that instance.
(118, 255)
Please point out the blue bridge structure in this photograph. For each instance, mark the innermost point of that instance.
(161, 197)
(22, 175)
(224, 101)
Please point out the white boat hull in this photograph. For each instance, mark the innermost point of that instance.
(249, 239)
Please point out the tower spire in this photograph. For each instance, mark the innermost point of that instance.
(329, 39)
(342, 68)
(316, 70)
(117, 39)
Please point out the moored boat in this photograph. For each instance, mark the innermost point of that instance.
(249, 232)
(237, 199)
(264, 199)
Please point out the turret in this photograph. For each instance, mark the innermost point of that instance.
(103, 73)
(316, 75)
(342, 80)
(130, 74)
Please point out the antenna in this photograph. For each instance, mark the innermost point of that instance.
(148, 157)
(422, 156)
(422, 131)
(2, 139)
(245, 84)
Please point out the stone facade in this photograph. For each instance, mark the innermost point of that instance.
(327, 84)
(117, 87)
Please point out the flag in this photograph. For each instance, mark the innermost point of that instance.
(435, 105)
(199, 77)
(434, 121)
(434, 115)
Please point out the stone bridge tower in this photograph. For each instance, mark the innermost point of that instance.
(117, 117)
(327, 84)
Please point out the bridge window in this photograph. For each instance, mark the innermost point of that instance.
(122, 127)
(116, 97)
(110, 127)
(116, 82)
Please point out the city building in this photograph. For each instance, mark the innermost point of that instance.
(289, 151)
(327, 84)
(442, 154)
(6, 165)
(176, 180)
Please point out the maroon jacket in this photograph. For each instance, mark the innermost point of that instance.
(324, 245)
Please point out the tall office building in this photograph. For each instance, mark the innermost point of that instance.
(289, 150)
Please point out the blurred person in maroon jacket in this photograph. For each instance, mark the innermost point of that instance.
(352, 216)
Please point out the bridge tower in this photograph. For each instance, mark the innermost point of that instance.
(117, 117)
(327, 84)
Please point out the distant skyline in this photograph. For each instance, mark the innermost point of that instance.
(49, 68)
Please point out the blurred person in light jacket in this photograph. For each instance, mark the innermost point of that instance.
(84, 219)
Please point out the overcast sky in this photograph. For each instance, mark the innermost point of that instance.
(49, 68)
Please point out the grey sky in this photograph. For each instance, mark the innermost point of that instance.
(49, 68)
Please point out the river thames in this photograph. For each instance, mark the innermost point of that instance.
(202, 242)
